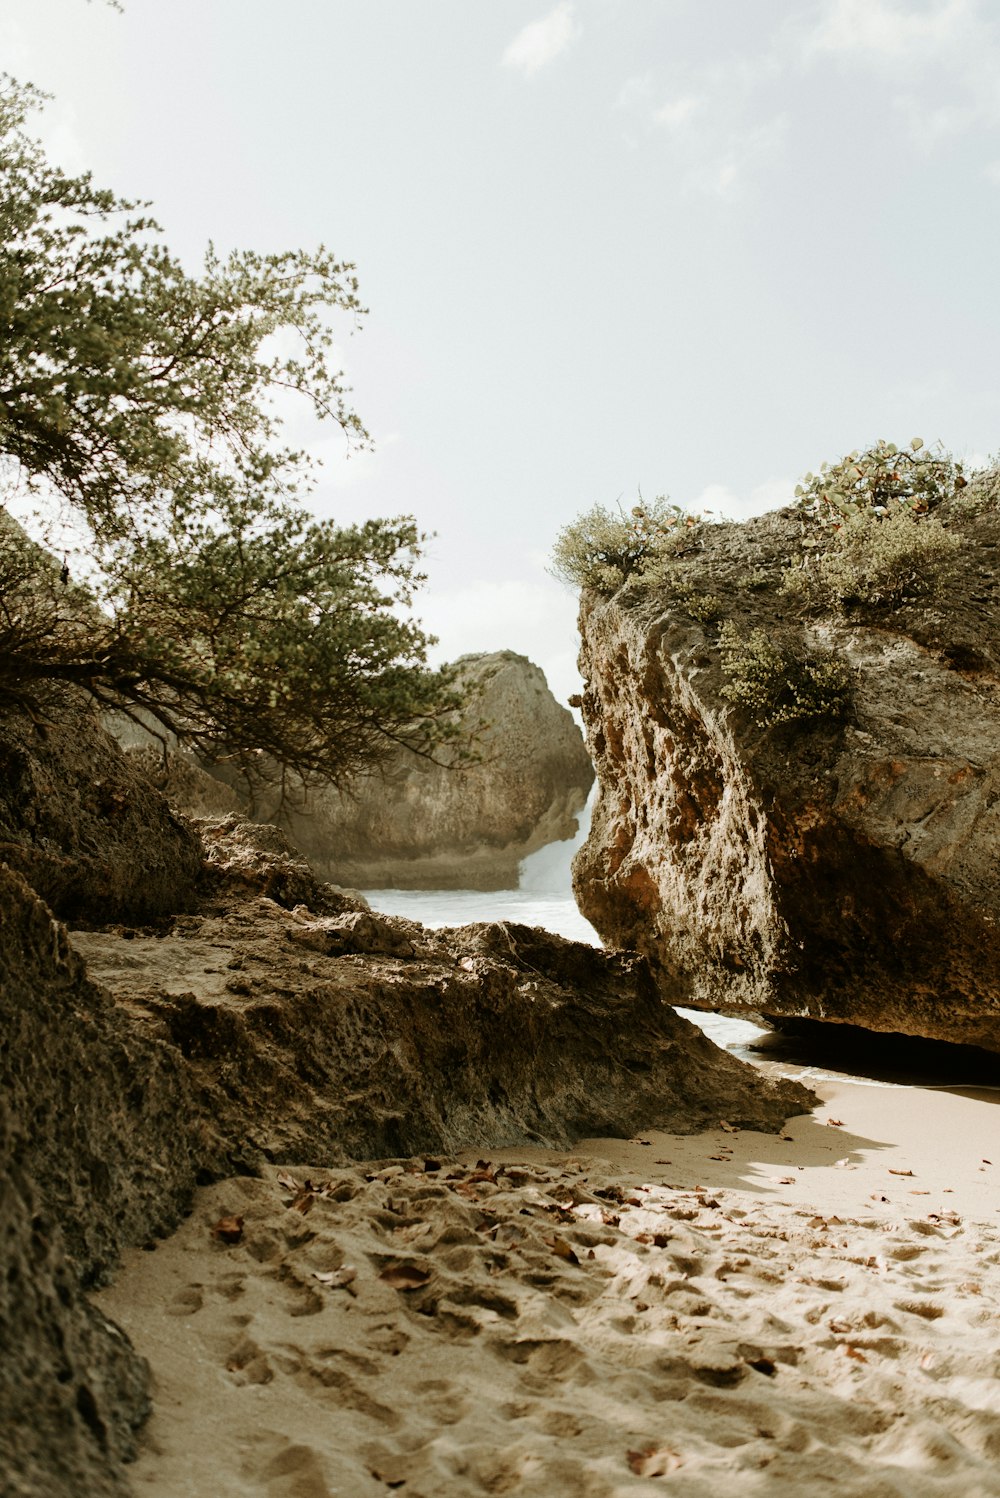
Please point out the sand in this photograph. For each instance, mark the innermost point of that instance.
(726, 1313)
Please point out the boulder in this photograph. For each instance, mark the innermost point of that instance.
(358, 1035)
(835, 868)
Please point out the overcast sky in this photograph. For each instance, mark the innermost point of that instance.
(689, 247)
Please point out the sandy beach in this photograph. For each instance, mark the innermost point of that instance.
(727, 1312)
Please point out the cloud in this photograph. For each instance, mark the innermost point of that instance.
(677, 114)
(941, 59)
(890, 30)
(541, 41)
(709, 122)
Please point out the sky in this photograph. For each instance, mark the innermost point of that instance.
(608, 248)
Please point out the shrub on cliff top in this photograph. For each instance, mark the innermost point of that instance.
(880, 544)
(879, 479)
(602, 550)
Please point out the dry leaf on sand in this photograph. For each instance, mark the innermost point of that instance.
(228, 1229)
(655, 1461)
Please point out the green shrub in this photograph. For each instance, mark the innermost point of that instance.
(780, 684)
(602, 550)
(882, 477)
(701, 606)
(880, 560)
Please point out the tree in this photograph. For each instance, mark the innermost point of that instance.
(141, 399)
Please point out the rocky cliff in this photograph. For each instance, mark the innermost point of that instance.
(841, 867)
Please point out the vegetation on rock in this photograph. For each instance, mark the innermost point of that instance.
(138, 403)
(602, 550)
(778, 683)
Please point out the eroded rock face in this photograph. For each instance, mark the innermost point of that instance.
(419, 826)
(134, 1062)
(833, 871)
(359, 1035)
(83, 824)
(98, 1148)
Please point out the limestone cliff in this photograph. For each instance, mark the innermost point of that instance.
(82, 822)
(831, 869)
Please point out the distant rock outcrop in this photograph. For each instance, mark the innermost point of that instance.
(834, 870)
(417, 825)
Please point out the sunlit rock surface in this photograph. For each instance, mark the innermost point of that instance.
(831, 871)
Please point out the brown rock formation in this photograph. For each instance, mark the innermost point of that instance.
(97, 1148)
(358, 1035)
(839, 871)
(419, 826)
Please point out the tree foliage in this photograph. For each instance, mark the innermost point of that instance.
(143, 400)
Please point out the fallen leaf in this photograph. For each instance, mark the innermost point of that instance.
(405, 1276)
(718, 1157)
(336, 1279)
(876, 1196)
(727, 1126)
(835, 1123)
(854, 1352)
(783, 1180)
(916, 1192)
(289, 1183)
(928, 1360)
(663, 1162)
(655, 1461)
(839, 1326)
(900, 1172)
(303, 1202)
(560, 1247)
(228, 1229)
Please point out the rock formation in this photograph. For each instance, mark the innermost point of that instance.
(825, 869)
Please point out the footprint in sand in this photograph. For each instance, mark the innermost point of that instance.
(186, 1301)
(296, 1471)
(246, 1362)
